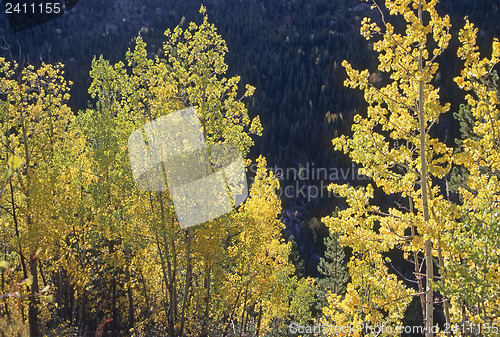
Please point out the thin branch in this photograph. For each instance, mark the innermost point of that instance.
(406, 279)
(385, 25)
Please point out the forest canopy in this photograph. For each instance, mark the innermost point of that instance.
(86, 252)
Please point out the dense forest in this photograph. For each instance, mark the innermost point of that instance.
(389, 231)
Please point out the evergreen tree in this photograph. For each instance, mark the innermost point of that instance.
(295, 258)
(333, 268)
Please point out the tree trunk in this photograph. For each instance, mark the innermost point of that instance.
(231, 312)
(33, 306)
(204, 328)
(417, 265)
(166, 277)
(6, 307)
(16, 228)
(114, 323)
(259, 320)
(82, 314)
(33, 303)
(187, 285)
(242, 319)
(66, 285)
(131, 311)
(429, 295)
(446, 301)
(145, 294)
(168, 274)
(173, 269)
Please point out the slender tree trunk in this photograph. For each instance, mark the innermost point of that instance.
(259, 320)
(33, 306)
(145, 293)
(174, 278)
(170, 270)
(114, 326)
(114, 309)
(465, 320)
(231, 314)
(58, 293)
(33, 303)
(245, 321)
(66, 284)
(18, 237)
(16, 229)
(204, 328)
(429, 295)
(71, 301)
(163, 263)
(6, 307)
(446, 301)
(82, 314)
(417, 266)
(131, 311)
(245, 298)
(187, 285)
(166, 277)
(40, 267)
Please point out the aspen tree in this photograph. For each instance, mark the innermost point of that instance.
(394, 147)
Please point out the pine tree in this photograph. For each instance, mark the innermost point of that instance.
(333, 268)
(295, 258)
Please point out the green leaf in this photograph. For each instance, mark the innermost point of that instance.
(4, 264)
(14, 162)
(6, 175)
(48, 299)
